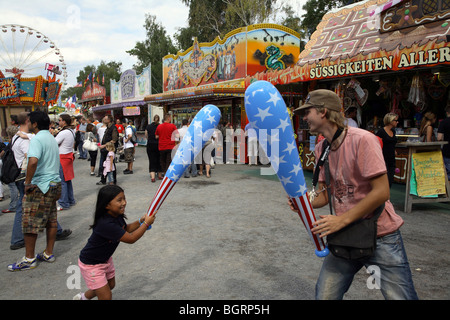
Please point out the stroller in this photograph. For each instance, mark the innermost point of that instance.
(120, 154)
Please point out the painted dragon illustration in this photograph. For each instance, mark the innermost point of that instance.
(273, 61)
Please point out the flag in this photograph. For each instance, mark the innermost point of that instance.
(103, 81)
(74, 100)
(68, 102)
(98, 81)
(90, 76)
(78, 85)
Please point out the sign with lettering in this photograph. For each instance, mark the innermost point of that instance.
(131, 111)
(127, 83)
(52, 91)
(94, 91)
(429, 171)
(131, 86)
(9, 88)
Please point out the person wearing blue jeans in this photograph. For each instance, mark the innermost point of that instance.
(192, 169)
(17, 241)
(356, 185)
(67, 198)
(65, 139)
(13, 192)
(82, 129)
(391, 275)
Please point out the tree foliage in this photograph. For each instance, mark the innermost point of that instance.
(151, 51)
(111, 70)
(211, 18)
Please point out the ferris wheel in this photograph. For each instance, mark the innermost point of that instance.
(26, 51)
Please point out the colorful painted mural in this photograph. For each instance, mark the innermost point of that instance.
(18, 90)
(242, 52)
(373, 36)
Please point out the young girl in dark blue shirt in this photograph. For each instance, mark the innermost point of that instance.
(108, 230)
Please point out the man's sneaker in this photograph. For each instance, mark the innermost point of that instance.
(63, 235)
(44, 257)
(23, 264)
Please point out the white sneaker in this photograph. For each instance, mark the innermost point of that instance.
(23, 264)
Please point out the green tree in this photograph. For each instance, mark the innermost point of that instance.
(151, 51)
(316, 9)
(211, 18)
(111, 70)
(293, 22)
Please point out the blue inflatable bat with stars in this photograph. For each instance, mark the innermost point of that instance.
(268, 115)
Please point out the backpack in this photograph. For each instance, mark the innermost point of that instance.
(133, 139)
(10, 170)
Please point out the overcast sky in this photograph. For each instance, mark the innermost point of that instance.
(88, 31)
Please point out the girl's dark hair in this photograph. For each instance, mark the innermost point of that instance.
(105, 195)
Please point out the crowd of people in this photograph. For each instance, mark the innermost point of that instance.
(55, 146)
(44, 153)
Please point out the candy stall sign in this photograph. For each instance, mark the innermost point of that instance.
(9, 88)
(394, 62)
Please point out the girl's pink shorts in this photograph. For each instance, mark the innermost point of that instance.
(97, 275)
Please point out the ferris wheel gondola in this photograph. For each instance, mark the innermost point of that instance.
(26, 51)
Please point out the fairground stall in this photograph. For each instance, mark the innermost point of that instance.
(19, 94)
(380, 56)
(214, 72)
(93, 96)
(32, 72)
(127, 101)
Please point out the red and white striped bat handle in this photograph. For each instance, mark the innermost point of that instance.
(306, 213)
(163, 191)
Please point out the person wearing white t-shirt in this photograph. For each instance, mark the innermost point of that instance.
(20, 149)
(66, 139)
(192, 168)
(128, 148)
(350, 113)
(101, 128)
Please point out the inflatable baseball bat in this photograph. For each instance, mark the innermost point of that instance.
(269, 117)
(199, 132)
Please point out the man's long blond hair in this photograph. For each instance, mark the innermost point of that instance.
(333, 116)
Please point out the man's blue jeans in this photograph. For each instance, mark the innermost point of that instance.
(67, 198)
(389, 260)
(17, 235)
(192, 168)
(14, 193)
(83, 153)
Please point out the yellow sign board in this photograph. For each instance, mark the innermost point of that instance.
(429, 170)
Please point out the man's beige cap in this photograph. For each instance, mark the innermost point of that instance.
(321, 98)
